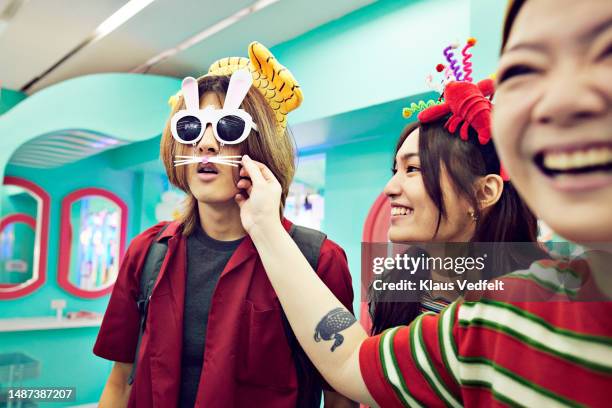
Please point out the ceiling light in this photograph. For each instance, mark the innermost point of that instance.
(129, 10)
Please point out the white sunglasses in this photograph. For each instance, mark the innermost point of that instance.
(230, 124)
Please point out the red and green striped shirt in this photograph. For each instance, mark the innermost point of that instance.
(493, 353)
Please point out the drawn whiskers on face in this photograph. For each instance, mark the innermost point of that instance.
(233, 161)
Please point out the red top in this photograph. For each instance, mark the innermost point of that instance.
(497, 353)
(247, 361)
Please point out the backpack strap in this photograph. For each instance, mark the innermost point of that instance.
(150, 272)
(309, 241)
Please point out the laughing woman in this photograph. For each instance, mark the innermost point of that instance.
(554, 104)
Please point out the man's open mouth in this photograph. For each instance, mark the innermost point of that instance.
(581, 160)
(207, 168)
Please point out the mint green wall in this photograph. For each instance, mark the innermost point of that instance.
(376, 54)
(10, 98)
(486, 17)
(92, 172)
(152, 185)
(22, 203)
(355, 176)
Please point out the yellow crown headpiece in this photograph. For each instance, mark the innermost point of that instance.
(272, 79)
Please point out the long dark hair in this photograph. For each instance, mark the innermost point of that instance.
(508, 220)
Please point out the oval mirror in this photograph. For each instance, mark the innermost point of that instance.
(24, 227)
(92, 242)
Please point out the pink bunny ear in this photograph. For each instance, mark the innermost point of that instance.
(191, 94)
(239, 85)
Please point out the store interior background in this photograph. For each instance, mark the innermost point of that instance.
(358, 64)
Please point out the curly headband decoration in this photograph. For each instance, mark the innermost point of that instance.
(467, 64)
(452, 61)
(273, 80)
(418, 107)
(451, 72)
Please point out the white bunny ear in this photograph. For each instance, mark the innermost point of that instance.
(239, 85)
(191, 94)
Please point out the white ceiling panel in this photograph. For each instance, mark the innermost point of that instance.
(161, 25)
(276, 24)
(44, 31)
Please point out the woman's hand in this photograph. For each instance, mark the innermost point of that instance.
(260, 209)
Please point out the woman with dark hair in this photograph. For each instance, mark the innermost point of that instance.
(552, 122)
(445, 189)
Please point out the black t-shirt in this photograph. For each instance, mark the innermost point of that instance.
(206, 259)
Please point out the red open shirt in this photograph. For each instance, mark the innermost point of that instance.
(247, 361)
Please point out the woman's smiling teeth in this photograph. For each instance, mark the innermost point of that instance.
(401, 211)
(595, 158)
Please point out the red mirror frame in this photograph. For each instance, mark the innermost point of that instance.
(41, 230)
(63, 269)
(375, 229)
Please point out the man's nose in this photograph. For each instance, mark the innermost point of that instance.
(208, 143)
